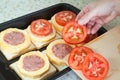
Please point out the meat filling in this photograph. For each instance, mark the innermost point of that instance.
(61, 50)
(33, 63)
(14, 38)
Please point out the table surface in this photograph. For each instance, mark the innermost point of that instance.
(10, 9)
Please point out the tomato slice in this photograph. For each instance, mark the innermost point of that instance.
(64, 17)
(95, 67)
(74, 33)
(77, 55)
(41, 27)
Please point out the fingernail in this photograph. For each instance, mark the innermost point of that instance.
(93, 32)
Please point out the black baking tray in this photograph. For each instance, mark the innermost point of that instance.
(22, 22)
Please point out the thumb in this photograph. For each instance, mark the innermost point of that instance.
(87, 17)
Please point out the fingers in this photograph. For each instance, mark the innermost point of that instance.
(84, 16)
(93, 22)
(94, 25)
(87, 17)
(96, 28)
(98, 24)
(82, 13)
(90, 24)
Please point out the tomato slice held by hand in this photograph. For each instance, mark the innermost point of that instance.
(74, 33)
(41, 27)
(77, 55)
(64, 17)
(95, 67)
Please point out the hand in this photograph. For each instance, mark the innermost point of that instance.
(97, 14)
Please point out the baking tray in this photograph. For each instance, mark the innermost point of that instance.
(22, 22)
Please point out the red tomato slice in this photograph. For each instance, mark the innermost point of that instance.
(64, 17)
(74, 33)
(41, 27)
(95, 67)
(77, 55)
